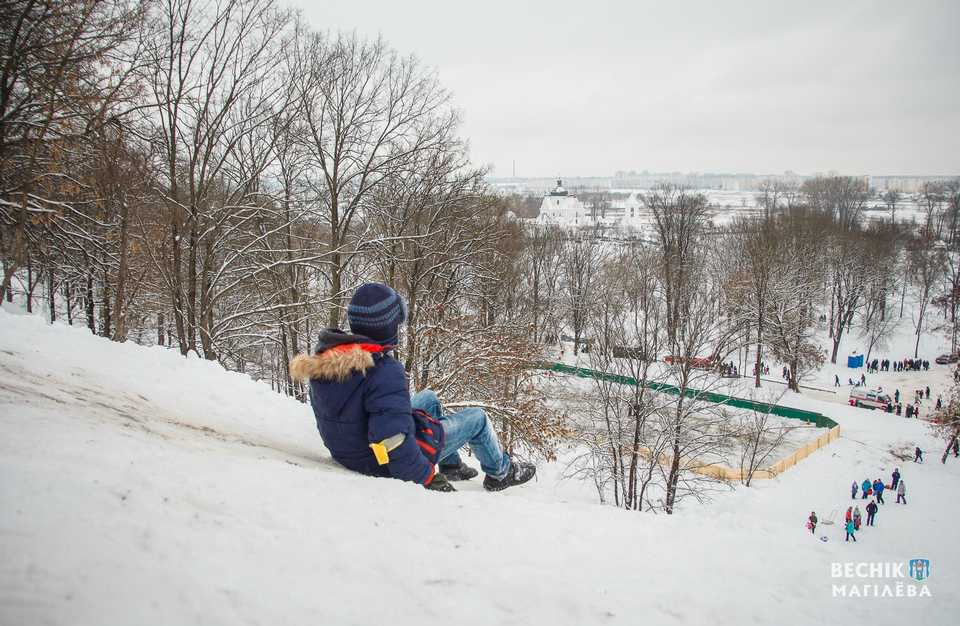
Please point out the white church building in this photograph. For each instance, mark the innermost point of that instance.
(559, 207)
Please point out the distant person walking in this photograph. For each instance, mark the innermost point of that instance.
(836, 380)
(901, 493)
(853, 490)
(812, 522)
(850, 531)
(895, 478)
(918, 455)
(856, 518)
(878, 490)
(866, 488)
(871, 512)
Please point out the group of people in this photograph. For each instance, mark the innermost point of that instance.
(729, 370)
(877, 365)
(868, 488)
(913, 410)
(903, 365)
(764, 369)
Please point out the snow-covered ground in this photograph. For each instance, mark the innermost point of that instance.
(139, 487)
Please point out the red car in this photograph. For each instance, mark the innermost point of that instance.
(700, 362)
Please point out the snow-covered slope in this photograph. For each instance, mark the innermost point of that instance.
(139, 487)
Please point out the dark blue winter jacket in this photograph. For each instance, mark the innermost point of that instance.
(359, 396)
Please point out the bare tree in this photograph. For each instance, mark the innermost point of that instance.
(66, 74)
(679, 218)
(759, 274)
(581, 259)
(849, 268)
(876, 316)
(891, 198)
(213, 81)
(843, 197)
(761, 435)
(792, 310)
(927, 263)
(369, 115)
(694, 426)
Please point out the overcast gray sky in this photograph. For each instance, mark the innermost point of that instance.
(588, 88)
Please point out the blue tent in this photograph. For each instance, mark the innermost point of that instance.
(855, 360)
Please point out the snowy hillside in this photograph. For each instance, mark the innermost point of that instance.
(139, 487)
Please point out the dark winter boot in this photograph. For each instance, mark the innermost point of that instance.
(458, 472)
(519, 473)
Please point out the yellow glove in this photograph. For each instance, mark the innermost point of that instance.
(382, 449)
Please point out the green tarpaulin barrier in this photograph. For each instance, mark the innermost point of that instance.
(819, 419)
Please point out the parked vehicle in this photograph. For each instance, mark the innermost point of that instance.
(869, 398)
(944, 359)
(629, 352)
(699, 362)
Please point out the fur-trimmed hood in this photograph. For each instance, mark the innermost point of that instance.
(338, 356)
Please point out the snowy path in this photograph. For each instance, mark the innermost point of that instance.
(139, 487)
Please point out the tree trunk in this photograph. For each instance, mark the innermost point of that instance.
(177, 273)
(105, 312)
(903, 293)
(759, 352)
(51, 290)
(69, 300)
(206, 304)
(192, 278)
(88, 300)
(29, 285)
(119, 306)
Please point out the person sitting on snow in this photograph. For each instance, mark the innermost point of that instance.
(367, 418)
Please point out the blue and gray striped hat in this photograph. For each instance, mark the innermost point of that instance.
(376, 311)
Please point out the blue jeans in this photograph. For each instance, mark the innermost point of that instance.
(467, 426)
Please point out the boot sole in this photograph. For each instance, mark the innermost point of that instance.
(498, 487)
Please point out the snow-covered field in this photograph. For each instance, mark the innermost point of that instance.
(139, 487)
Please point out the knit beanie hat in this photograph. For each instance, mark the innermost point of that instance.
(376, 311)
